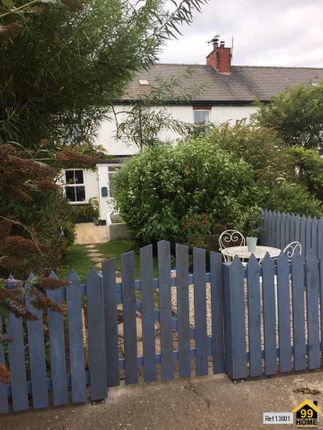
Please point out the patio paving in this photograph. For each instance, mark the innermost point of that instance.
(204, 403)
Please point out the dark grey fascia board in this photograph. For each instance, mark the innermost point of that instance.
(196, 102)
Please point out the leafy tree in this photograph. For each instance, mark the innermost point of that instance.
(66, 62)
(296, 114)
(308, 169)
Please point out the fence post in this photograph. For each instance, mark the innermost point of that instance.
(234, 320)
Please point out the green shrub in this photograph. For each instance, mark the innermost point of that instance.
(187, 193)
(86, 213)
(262, 148)
(50, 225)
(290, 178)
(192, 192)
(293, 198)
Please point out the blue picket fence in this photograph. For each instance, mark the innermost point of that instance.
(279, 229)
(77, 355)
(247, 321)
(273, 315)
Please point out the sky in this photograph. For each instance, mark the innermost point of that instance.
(264, 32)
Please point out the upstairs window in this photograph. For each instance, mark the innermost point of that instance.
(74, 186)
(201, 116)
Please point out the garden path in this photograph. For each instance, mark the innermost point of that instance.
(89, 233)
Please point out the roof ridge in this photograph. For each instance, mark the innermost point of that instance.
(179, 64)
(244, 66)
(279, 67)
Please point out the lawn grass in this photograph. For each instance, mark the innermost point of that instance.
(77, 258)
(115, 248)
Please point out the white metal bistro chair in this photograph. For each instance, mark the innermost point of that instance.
(291, 248)
(230, 238)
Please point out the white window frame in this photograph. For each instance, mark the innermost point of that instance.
(200, 111)
(75, 185)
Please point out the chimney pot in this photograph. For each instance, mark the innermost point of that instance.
(220, 58)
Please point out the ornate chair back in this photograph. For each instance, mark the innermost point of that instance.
(291, 248)
(231, 238)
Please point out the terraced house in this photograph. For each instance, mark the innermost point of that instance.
(226, 92)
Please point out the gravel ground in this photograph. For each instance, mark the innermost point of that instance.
(191, 307)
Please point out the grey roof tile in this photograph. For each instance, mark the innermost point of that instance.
(243, 84)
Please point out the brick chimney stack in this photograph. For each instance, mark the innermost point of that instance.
(220, 57)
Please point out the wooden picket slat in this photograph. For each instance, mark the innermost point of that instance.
(285, 359)
(129, 317)
(321, 294)
(265, 233)
(148, 312)
(75, 337)
(314, 237)
(292, 226)
(272, 229)
(287, 236)
(17, 364)
(283, 228)
(37, 357)
(4, 404)
(303, 234)
(200, 311)
(297, 233)
(234, 312)
(96, 335)
(298, 312)
(166, 341)
(57, 348)
(278, 229)
(312, 289)
(254, 317)
(320, 238)
(227, 324)
(111, 322)
(269, 305)
(308, 235)
(217, 312)
(183, 310)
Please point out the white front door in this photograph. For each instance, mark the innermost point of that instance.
(106, 192)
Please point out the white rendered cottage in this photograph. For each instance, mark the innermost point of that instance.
(227, 93)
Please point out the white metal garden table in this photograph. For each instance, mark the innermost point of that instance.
(243, 253)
